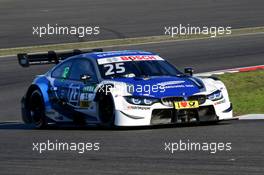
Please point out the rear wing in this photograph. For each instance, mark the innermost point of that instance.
(52, 57)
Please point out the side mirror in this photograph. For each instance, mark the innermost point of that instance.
(188, 70)
(85, 77)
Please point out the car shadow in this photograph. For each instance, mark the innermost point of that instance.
(22, 126)
(15, 126)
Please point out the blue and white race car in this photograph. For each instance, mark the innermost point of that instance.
(119, 88)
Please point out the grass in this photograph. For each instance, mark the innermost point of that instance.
(121, 42)
(246, 91)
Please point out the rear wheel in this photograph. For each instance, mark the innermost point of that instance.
(107, 111)
(36, 109)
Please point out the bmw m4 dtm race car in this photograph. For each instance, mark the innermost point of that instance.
(119, 88)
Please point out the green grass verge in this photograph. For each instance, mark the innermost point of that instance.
(246, 91)
(121, 42)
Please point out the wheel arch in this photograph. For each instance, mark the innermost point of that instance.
(100, 98)
(101, 91)
(43, 89)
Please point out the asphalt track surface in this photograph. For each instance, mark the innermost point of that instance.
(119, 18)
(140, 150)
(137, 151)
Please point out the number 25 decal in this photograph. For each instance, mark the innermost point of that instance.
(114, 68)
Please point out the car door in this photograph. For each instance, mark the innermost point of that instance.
(81, 91)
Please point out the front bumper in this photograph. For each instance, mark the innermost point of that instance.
(133, 115)
(170, 116)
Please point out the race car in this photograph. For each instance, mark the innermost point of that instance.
(119, 88)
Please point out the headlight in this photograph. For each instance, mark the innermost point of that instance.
(217, 95)
(141, 100)
(167, 103)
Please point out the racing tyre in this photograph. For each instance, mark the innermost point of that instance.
(36, 110)
(107, 111)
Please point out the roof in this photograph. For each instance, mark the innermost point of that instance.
(99, 55)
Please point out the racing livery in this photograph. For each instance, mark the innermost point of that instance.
(119, 88)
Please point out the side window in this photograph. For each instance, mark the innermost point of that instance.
(62, 71)
(82, 67)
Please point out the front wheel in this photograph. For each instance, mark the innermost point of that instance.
(36, 109)
(107, 111)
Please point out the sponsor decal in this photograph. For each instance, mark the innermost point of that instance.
(65, 72)
(74, 94)
(138, 107)
(85, 100)
(186, 104)
(179, 86)
(89, 88)
(116, 68)
(139, 57)
(175, 84)
(171, 83)
(220, 102)
(128, 58)
(82, 98)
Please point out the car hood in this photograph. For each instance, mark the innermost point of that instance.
(163, 86)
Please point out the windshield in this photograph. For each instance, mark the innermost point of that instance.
(137, 69)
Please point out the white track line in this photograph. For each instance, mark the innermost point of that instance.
(251, 117)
